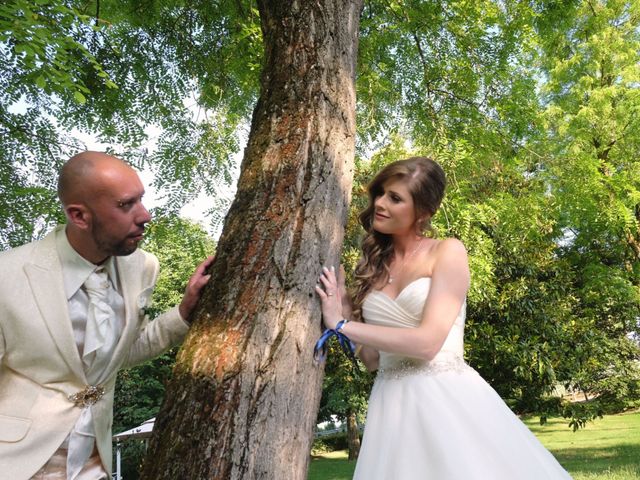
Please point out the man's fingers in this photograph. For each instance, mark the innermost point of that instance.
(200, 270)
(202, 281)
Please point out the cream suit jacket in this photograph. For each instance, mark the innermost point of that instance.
(40, 366)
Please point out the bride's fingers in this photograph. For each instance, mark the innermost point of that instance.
(330, 273)
(326, 273)
(329, 286)
(326, 297)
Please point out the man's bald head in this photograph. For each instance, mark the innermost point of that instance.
(102, 200)
(79, 174)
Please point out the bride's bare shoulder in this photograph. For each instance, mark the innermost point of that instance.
(449, 246)
(451, 261)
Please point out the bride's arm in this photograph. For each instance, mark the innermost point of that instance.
(447, 291)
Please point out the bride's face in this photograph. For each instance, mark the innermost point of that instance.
(394, 211)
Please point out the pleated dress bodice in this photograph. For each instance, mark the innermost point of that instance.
(405, 311)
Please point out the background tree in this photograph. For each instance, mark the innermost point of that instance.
(591, 103)
(345, 391)
(114, 69)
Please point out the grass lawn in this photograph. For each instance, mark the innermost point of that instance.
(331, 466)
(606, 449)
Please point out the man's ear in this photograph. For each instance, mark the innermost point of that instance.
(79, 215)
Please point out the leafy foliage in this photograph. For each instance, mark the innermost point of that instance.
(531, 107)
(115, 69)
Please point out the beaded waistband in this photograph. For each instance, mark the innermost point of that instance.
(415, 367)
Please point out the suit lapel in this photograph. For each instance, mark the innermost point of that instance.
(45, 279)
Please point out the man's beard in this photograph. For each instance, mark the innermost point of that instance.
(110, 246)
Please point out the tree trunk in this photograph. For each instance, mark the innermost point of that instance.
(353, 436)
(243, 399)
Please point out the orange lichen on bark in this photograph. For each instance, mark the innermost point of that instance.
(228, 351)
(215, 355)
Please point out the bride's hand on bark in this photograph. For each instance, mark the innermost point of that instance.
(330, 297)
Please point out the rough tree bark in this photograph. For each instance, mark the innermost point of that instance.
(243, 399)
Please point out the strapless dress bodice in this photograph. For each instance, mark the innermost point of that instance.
(405, 311)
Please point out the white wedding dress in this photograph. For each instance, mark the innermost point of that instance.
(440, 420)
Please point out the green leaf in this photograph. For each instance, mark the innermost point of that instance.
(79, 97)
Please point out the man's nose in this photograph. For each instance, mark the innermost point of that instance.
(143, 215)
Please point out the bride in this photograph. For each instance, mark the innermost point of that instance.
(431, 416)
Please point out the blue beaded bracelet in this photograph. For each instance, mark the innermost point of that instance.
(320, 350)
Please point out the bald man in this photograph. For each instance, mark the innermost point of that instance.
(71, 315)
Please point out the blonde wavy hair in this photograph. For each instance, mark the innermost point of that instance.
(426, 182)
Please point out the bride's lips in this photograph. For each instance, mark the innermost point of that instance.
(381, 216)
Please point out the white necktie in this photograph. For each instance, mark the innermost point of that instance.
(100, 327)
(101, 336)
